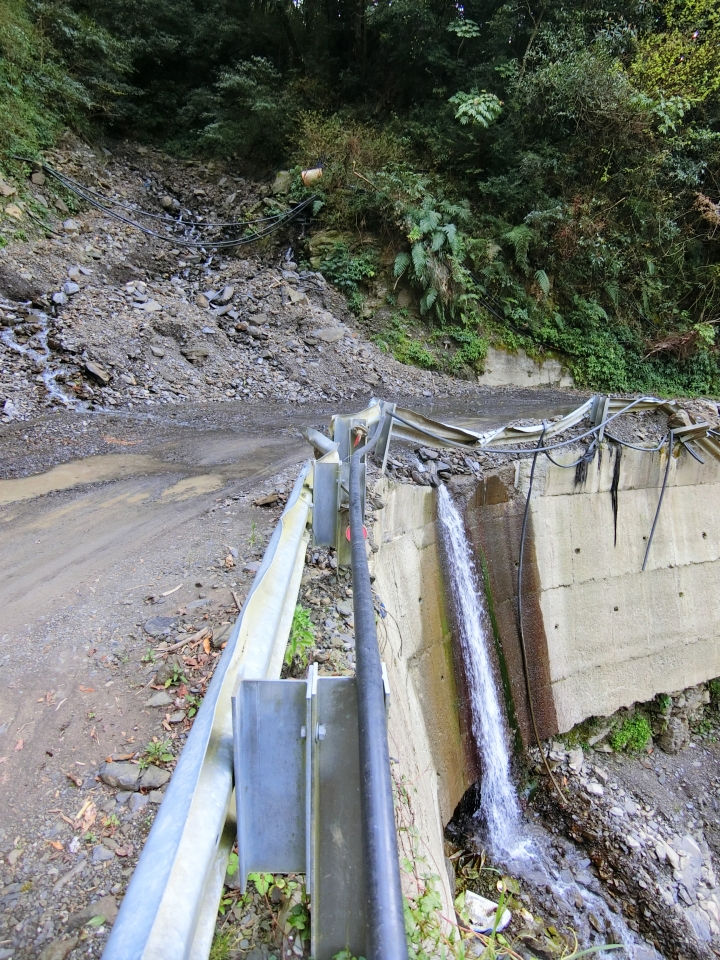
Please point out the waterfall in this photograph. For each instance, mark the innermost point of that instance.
(510, 841)
(498, 799)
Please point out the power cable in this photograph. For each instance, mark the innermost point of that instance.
(671, 438)
(91, 197)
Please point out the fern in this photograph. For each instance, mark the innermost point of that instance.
(520, 238)
(543, 281)
(428, 299)
(419, 259)
(402, 262)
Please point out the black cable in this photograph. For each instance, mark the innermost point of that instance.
(521, 630)
(75, 186)
(86, 194)
(671, 438)
(635, 446)
(384, 905)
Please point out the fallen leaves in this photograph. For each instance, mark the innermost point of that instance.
(20, 744)
(86, 690)
(206, 644)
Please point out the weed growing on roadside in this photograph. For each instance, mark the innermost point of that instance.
(302, 637)
(633, 734)
(157, 751)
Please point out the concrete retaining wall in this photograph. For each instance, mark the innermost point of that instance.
(434, 759)
(505, 369)
(601, 634)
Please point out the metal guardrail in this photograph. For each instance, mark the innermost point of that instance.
(170, 908)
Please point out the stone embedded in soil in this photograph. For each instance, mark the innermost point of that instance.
(124, 775)
(106, 907)
(153, 778)
(159, 626)
(159, 699)
(59, 949)
(101, 853)
(97, 372)
(595, 789)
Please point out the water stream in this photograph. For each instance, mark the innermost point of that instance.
(525, 850)
(39, 355)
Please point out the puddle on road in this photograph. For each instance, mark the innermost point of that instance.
(193, 487)
(109, 466)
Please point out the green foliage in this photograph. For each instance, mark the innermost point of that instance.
(348, 271)
(633, 734)
(177, 676)
(714, 688)
(157, 751)
(302, 637)
(481, 108)
(263, 882)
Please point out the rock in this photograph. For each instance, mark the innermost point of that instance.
(159, 626)
(157, 351)
(9, 409)
(617, 812)
(344, 608)
(195, 354)
(166, 202)
(14, 211)
(95, 371)
(59, 949)
(177, 717)
(6, 190)
(282, 182)
(151, 306)
(483, 913)
(123, 775)
(225, 295)
(122, 796)
(632, 842)
(691, 859)
(171, 668)
(576, 759)
(137, 802)
(153, 778)
(595, 789)
(38, 178)
(679, 419)
(676, 735)
(15, 287)
(71, 227)
(194, 604)
(60, 205)
(70, 288)
(159, 699)
(105, 907)
(251, 567)
(101, 853)
(156, 796)
(221, 636)
(202, 301)
(330, 335)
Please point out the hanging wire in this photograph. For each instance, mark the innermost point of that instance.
(101, 203)
(671, 438)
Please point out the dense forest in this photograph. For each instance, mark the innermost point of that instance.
(541, 175)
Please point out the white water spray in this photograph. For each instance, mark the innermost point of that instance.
(40, 357)
(509, 839)
(498, 800)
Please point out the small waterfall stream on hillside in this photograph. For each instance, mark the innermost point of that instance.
(523, 850)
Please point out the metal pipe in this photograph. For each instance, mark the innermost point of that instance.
(384, 902)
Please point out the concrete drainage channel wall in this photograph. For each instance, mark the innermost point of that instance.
(601, 633)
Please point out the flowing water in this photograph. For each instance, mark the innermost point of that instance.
(524, 850)
(37, 350)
